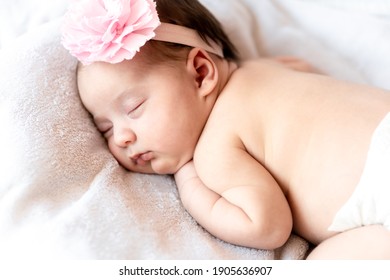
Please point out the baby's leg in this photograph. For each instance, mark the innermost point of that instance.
(369, 242)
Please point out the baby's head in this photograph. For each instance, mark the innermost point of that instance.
(149, 87)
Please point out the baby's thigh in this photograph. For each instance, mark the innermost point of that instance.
(369, 242)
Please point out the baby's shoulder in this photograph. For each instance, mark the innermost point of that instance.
(241, 101)
(232, 115)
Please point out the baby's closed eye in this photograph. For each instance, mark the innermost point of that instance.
(104, 128)
(136, 110)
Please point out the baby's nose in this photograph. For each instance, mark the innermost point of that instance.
(124, 137)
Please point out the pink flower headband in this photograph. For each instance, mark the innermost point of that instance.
(115, 30)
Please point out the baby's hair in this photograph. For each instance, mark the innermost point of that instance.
(191, 14)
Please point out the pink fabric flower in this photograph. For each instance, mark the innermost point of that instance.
(108, 30)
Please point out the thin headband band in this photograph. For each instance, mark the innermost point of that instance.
(178, 34)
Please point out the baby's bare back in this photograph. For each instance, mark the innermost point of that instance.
(309, 131)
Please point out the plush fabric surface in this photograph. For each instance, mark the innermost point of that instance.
(62, 195)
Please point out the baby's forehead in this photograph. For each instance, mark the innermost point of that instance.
(103, 69)
(98, 67)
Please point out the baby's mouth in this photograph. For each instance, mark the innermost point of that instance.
(142, 158)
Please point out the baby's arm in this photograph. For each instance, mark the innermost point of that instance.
(245, 206)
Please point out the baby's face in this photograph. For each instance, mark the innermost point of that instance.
(148, 114)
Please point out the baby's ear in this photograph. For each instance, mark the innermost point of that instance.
(203, 69)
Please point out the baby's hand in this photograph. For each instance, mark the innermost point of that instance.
(195, 196)
(296, 64)
(185, 174)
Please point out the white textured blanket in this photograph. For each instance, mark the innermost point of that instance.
(62, 195)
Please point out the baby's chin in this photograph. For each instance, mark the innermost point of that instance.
(165, 168)
(155, 166)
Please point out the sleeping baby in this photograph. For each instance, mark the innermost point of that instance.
(257, 148)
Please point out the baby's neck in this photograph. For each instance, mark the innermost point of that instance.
(225, 69)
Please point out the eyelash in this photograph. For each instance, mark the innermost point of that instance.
(133, 112)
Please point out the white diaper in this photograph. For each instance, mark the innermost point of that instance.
(370, 202)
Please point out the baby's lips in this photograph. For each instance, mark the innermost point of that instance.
(142, 159)
(147, 156)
